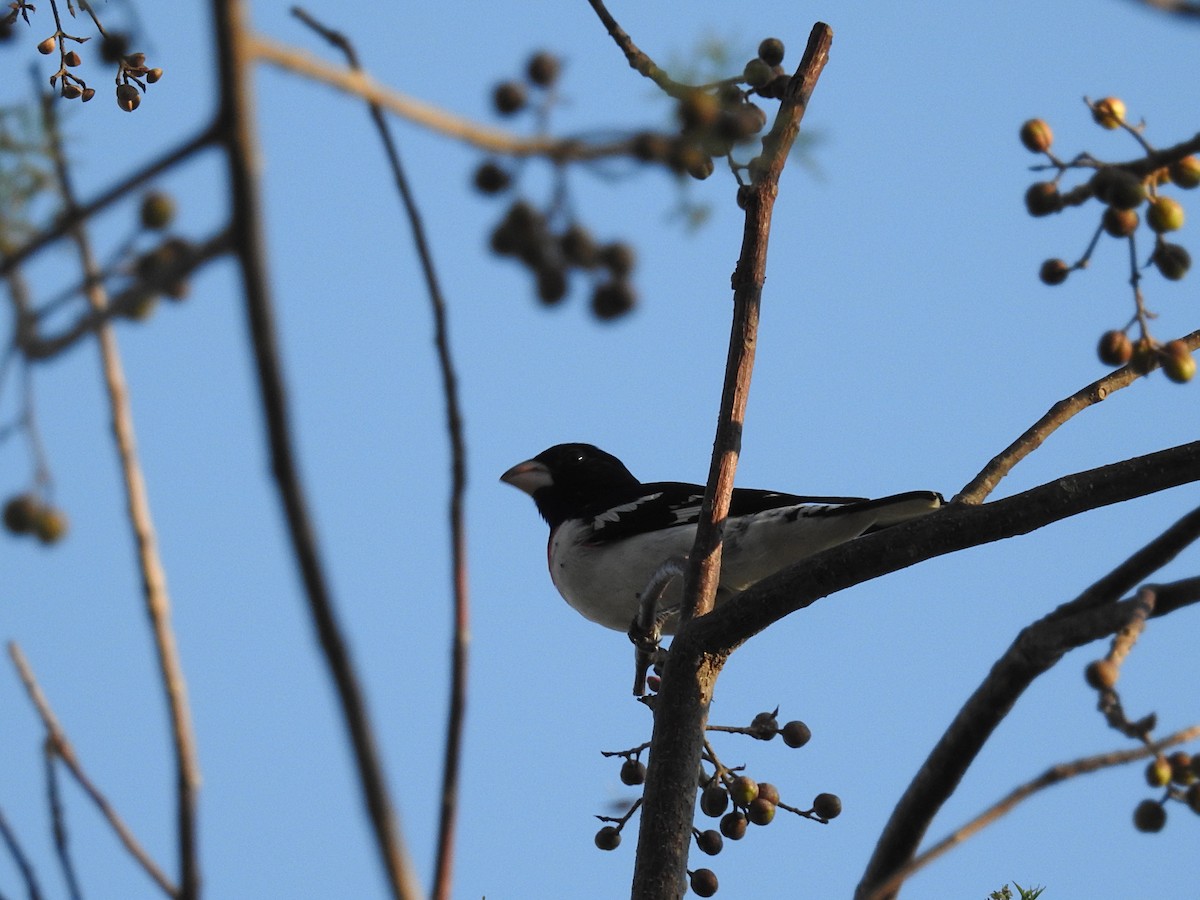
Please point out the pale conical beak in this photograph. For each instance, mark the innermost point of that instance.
(528, 476)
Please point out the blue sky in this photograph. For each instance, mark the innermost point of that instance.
(905, 341)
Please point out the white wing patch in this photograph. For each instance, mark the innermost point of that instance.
(614, 514)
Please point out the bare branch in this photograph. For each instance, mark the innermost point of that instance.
(1052, 776)
(1061, 412)
(61, 744)
(236, 55)
(452, 761)
(154, 579)
(23, 864)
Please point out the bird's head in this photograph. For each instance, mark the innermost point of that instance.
(567, 479)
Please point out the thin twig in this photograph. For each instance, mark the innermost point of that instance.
(494, 140)
(66, 752)
(985, 482)
(235, 63)
(1052, 776)
(639, 61)
(154, 580)
(18, 854)
(460, 637)
(58, 820)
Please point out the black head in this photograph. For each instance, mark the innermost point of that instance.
(568, 479)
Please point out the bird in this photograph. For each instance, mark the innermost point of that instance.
(610, 533)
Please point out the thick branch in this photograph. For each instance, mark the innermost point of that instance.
(237, 129)
(690, 675)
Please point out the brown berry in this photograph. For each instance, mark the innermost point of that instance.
(703, 882)
(47, 46)
(157, 210)
(1120, 223)
(578, 247)
(710, 842)
(613, 299)
(733, 825)
(1042, 198)
(1117, 187)
(71, 58)
(768, 792)
(508, 97)
(21, 513)
(795, 734)
(1109, 113)
(1036, 136)
(491, 178)
(1054, 271)
(1171, 260)
(1186, 172)
(1115, 350)
(88, 94)
(543, 68)
(714, 800)
(1181, 767)
(760, 811)
(618, 257)
(551, 284)
(827, 806)
(153, 76)
(608, 838)
(764, 726)
(757, 73)
(1145, 356)
(633, 772)
(770, 51)
(1149, 816)
(71, 91)
(1102, 674)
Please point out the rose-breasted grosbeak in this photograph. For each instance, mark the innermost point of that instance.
(609, 533)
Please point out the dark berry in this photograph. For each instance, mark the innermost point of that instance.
(1115, 350)
(1149, 816)
(633, 772)
(733, 825)
(618, 257)
(508, 97)
(770, 51)
(827, 806)
(714, 800)
(710, 842)
(1054, 271)
(21, 513)
(551, 288)
(795, 734)
(703, 882)
(608, 838)
(491, 178)
(761, 811)
(543, 68)
(114, 46)
(1043, 198)
(1171, 260)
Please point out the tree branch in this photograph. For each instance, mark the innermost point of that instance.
(235, 63)
(690, 674)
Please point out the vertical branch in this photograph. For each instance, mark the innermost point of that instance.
(690, 675)
(59, 820)
(237, 134)
(32, 888)
(447, 820)
(154, 580)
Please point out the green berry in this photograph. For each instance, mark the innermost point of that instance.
(1165, 214)
(743, 790)
(157, 210)
(761, 811)
(1180, 366)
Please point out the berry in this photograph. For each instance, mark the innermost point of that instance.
(1165, 215)
(47, 46)
(50, 525)
(1180, 366)
(795, 734)
(1036, 136)
(1054, 271)
(733, 825)
(21, 513)
(827, 806)
(1115, 350)
(551, 284)
(710, 842)
(761, 811)
(127, 97)
(608, 838)
(1149, 816)
(543, 68)
(1109, 113)
(704, 882)
(154, 75)
(1158, 772)
(714, 800)
(618, 257)
(1186, 172)
(508, 97)
(770, 51)
(1102, 674)
(1181, 767)
(1144, 358)
(1120, 222)
(578, 247)
(633, 772)
(743, 790)
(757, 73)
(71, 58)
(764, 726)
(158, 210)
(1118, 188)
(71, 91)
(1043, 198)
(612, 300)
(88, 94)
(491, 178)
(698, 110)
(768, 792)
(1171, 260)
